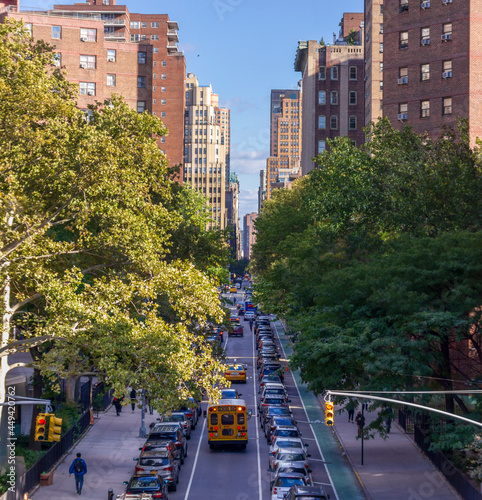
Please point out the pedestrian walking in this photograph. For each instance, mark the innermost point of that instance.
(79, 469)
(360, 422)
(388, 421)
(250, 325)
(234, 299)
(351, 414)
(133, 396)
(118, 406)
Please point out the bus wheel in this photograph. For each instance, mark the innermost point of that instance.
(243, 446)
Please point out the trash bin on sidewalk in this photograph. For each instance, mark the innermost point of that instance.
(46, 479)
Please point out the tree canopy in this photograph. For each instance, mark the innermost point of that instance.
(100, 248)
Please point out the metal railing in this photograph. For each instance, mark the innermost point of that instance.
(31, 478)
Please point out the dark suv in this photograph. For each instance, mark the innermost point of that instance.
(170, 432)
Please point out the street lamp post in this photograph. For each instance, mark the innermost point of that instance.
(362, 429)
(142, 430)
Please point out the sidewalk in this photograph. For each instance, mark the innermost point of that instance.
(109, 448)
(392, 469)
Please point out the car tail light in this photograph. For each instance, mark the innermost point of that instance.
(140, 469)
(171, 468)
(158, 495)
(275, 490)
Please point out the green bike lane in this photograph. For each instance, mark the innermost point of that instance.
(340, 471)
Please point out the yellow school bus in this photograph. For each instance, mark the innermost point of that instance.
(228, 423)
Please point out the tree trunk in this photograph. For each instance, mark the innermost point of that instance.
(37, 394)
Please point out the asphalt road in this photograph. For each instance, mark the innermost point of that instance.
(242, 475)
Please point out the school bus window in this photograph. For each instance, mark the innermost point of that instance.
(214, 419)
(227, 419)
(240, 418)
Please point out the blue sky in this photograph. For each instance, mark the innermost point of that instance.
(244, 48)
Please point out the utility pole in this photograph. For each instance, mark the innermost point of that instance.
(143, 430)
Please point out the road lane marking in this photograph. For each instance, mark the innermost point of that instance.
(258, 451)
(311, 427)
(195, 461)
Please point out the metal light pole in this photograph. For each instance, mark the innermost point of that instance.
(142, 430)
(362, 429)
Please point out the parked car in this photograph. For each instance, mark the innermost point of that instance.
(287, 467)
(273, 410)
(284, 442)
(170, 432)
(292, 455)
(249, 315)
(161, 461)
(276, 421)
(298, 492)
(178, 417)
(285, 431)
(230, 394)
(235, 373)
(162, 445)
(141, 486)
(191, 413)
(283, 482)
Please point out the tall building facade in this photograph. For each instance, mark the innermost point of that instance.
(374, 47)
(106, 49)
(232, 210)
(333, 89)
(433, 64)
(249, 234)
(204, 149)
(263, 187)
(283, 164)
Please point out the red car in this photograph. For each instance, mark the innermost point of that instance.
(238, 331)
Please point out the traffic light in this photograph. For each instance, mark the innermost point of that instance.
(329, 413)
(41, 427)
(55, 428)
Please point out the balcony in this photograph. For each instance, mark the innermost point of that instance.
(115, 22)
(118, 35)
(172, 25)
(172, 36)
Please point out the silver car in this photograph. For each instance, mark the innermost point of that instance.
(283, 442)
(292, 455)
(283, 482)
(178, 417)
(162, 462)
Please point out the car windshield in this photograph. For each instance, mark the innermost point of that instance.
(228, 394)
(275, 401)
(288, 444)
(143, 483)
(274, 391)
(282, 421)
(296, 470)
(171, 436)
(154, 461)
(281, 410)
(283, 433)
(291, 457)
(288, 482)
(174, 418)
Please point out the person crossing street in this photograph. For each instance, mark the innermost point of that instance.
(79, 469)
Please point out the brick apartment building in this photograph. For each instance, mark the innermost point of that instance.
(283, 164)
(105, 49)
(433, 64)
(333, 89)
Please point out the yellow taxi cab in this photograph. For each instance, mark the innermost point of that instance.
(235, 373)
(233, 288)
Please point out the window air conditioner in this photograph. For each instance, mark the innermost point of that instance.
(83, 65)
(90, 92)
(447, 74)
(403, 80)
(445, 2)
(425, 5)
(426, 41)
(110, 59)
(402, 116)
(83, 38)
(447, 37)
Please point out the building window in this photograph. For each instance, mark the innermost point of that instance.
(163, 89)
(403, 39)
(381, 28)
(403, 5)
(322, 73)
(353, 73)
(87, 62)
(88, 35)
(424, 109)
(143, 37)
(424, 72)
(110, 80)
(155, 37)
(447, 69)
(135, 38)
(447, 106)
(141, 106)
(447, 32)
(163, 114)
(57, 59)
(154, 76)
(57, 32)
(86, 88)
(403, 111)
(321, 146)
(334, 72)
(321, 122)
(155, 50)
(333, 97)
(141, 57)
(143, 25)
(111, 55)
(381, 47)
(381, 67)
(154, 25)
(352, 97)
(163, 64)
(381, 86)
(334, 122)
(163, 76)
(28, 27)
(352, 123)
(141, 82)
(163, 102)
(135, 25)
(425, 36)
(322, 97)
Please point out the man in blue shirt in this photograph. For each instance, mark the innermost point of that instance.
(78, 468)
